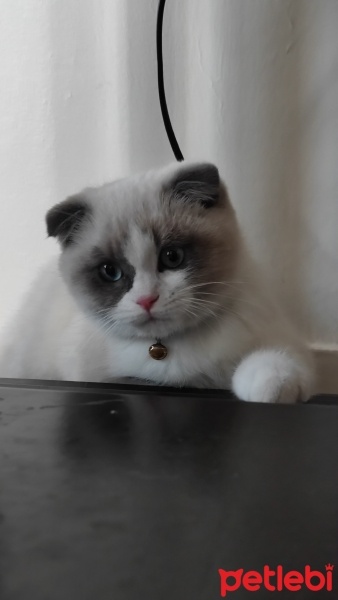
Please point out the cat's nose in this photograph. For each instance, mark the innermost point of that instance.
(147, 302)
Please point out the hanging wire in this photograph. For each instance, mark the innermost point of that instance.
(160, 80)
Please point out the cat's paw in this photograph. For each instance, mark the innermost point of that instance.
(272, 376)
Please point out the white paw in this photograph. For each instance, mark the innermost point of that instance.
(272, 376)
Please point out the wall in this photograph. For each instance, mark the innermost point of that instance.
(252, 85)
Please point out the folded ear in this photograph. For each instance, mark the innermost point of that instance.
(65, 219)
(197, 182)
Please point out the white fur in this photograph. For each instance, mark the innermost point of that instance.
(251, 348)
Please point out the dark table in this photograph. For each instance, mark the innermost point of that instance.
(115, 492)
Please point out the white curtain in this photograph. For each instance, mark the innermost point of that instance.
(252, 85)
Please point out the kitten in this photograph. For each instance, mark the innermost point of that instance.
(153, 258)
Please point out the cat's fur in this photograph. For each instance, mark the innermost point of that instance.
(219, 322)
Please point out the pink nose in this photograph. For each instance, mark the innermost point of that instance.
(147, 302)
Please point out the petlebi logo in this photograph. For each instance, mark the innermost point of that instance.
(275, 580)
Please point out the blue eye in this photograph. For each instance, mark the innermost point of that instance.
(110, 273)
(171, 257)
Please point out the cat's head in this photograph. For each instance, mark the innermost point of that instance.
(151, 255)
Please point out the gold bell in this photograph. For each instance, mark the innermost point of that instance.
(158, 351)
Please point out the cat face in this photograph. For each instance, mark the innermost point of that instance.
(153, 255)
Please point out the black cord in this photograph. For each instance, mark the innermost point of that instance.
(160, 80)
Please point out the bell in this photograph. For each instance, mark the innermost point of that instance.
(158, 351)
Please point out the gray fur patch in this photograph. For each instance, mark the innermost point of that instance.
(65, 219)
(105, 294)
(198, 183)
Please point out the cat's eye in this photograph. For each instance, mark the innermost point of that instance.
(110, 273)
(171, 257)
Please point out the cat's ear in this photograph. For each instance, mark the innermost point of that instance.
(197, 183)
(65, 219)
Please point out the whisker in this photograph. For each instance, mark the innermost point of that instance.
(239, 299)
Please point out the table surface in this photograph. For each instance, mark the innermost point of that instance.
(121, 492)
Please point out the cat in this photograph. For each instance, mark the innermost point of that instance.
(157, 258)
